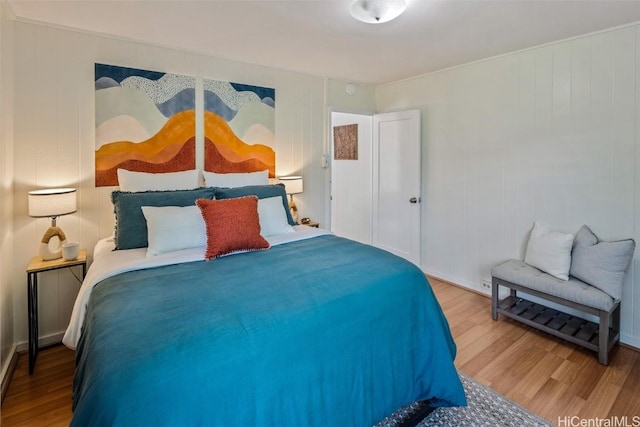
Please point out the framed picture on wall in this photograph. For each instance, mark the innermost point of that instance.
(345, 140)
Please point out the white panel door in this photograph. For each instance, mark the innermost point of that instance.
(351, 182)
(396, 183)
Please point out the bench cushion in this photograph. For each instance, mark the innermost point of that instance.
(516, 271)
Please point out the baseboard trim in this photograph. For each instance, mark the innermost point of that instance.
(7, 373)
(466, 288)
(457, 281)
(23, 347)
(630, 341)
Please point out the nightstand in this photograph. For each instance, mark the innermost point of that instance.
(37, 265)
(312, 224)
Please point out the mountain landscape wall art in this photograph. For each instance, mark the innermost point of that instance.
(239, 128)
(145, 122)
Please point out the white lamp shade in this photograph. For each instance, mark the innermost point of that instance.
(52, 202)
(377, 11)
(292, 184)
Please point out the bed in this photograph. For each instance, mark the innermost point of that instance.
(315, 330)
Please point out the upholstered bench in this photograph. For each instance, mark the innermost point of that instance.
(602, 264)
(518, 276)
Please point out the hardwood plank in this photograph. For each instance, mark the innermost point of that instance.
(474, 358)
(553, 395)
(618, 372)
(506, 371)
(628, 402)
(537, 377)
(601, 399)
(589, 371)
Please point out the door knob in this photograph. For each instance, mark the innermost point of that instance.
(414, 200)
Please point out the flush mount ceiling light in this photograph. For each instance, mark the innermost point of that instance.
(377, 11)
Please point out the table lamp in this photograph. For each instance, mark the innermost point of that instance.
(52, 203)
(293, 185)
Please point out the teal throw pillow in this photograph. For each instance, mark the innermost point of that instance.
(131, 226)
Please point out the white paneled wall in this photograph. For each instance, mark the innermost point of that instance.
(54, 141)
(6, 189)
(546, 134)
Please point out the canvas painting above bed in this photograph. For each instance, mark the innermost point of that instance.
(146, 122)
(239, 128)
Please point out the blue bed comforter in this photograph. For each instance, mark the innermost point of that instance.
(324, 332)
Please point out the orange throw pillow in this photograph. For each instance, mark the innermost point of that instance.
(232, 226)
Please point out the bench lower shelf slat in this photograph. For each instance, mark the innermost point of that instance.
(571, 328)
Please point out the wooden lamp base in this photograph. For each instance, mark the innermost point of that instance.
(45, 252)
(294, 210)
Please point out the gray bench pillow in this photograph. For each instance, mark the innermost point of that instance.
(601, 264)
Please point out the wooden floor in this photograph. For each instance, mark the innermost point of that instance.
(44, 398)
(544, 374)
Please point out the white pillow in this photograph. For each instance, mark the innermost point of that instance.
(550, 251)
(173, 228)
(143, 181)
(230, 180)
(273, 218)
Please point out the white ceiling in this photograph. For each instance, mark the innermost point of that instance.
(319, 37)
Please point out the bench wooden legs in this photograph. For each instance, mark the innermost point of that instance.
(615, 319)
(609, 322)
(494, 300)
(603, 338)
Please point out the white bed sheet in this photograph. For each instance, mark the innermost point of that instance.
(108, 263)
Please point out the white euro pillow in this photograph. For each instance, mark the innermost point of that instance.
(231, 180)
(143, 181)
(550, 251)
(273, 218)
(173, 228)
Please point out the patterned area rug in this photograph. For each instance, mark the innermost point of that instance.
(485, 408)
